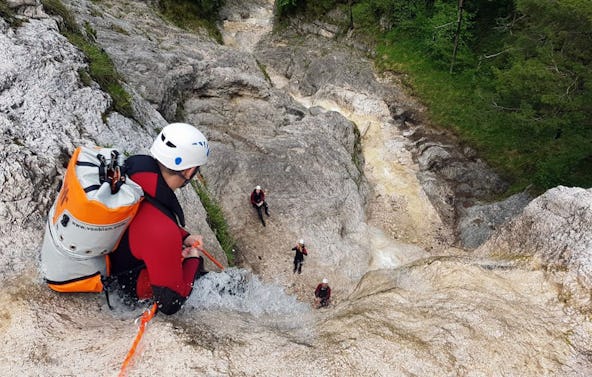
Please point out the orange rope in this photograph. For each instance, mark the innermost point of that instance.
(196, 245)
(149, 314)
(146, 317)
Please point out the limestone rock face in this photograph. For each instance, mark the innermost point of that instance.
(556, 228)
(304, 160)
(453, 179)
(29, 8)
(423, 314)
(481, 220)
(45, 113)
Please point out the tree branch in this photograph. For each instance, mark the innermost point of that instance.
(503, 107)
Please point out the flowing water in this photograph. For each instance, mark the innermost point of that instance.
(439, 316)
(412, 314)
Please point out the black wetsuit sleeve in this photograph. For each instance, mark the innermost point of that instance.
(169, 301)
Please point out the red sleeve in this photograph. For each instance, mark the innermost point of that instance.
(158, 241)
(253, 197)
(262, 196)
(317, 290)
(304, 251)
(328, 292)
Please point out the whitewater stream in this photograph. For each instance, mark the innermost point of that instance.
(448, 315)
(419, 310)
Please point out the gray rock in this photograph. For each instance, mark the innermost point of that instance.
(435, 315)
(45, 112)
(258, 134)
(478, 222)
(452, 177)
(27, 8)
(555, 228)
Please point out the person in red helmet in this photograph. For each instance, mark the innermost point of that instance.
(258, 202)
(155, 258)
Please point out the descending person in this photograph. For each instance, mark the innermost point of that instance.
(322, 294)
(156, 258)
(299, 256)
(258, 202)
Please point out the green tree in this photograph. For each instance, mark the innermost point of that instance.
(549, 75)
(547, 83)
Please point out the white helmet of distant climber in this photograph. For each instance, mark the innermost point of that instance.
(257, 187)
(325, 281)
(180, 146)
(301, 242)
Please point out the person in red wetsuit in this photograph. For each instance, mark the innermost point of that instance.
(323, 294)
(155, 258)
(258, 202)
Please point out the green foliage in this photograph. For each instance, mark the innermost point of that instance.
(548, 77)
(263, 69)
(57, 8)
(521, 93)
(193, 15)
(384, 15)
(101, 68)
(85, 77)
(216, 221)
(431, 25)
(310, 9)
(546, 84)
(441, 28)
(91, 33)
(285, 7)
(8, 15)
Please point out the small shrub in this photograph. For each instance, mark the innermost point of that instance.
(91, 33)
(193, 15)
(216, 221)
(8, 15)
(101, 68)
(263, 69)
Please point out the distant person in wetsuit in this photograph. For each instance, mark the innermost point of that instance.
(322, 294)
(299, 256)
(258, 202)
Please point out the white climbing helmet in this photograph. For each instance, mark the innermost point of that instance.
(325, 281)
(301, 242)
(180, 146)
(257, 187)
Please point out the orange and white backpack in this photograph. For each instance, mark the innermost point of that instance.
(95, 205)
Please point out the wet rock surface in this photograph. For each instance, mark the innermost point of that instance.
(376, 195)
(453, 178)
(556, 228)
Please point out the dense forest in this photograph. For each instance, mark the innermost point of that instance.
(509, 77)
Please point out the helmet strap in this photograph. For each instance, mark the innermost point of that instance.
(187, 180)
